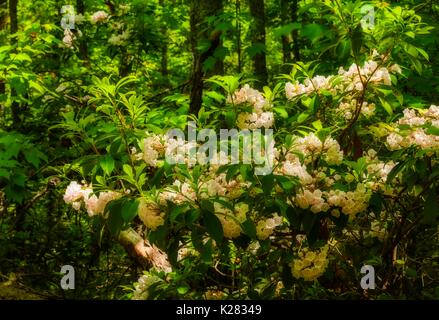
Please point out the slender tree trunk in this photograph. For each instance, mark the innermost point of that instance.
(218, 68)
(294, 18)
(199, 11)
(3, 14)
(238, 34)
(3, 26)
(83, 48)
(15, 107)
(13, 16)
(290, 45)
(287, 38)
(257, 11)
(164, 47)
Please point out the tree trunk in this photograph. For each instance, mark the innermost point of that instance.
(3, 14)
(218, 67)
(257, 11)
(164, 46)
(83, 48)
(142, 251)
(3, 25)
(238, 34)
(287, 38)
(13, 16)
(199, 11)
(15, 107)
(294, 18)
(290, 46)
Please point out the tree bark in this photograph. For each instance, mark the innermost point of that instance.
(15, 107)
(13, 16)
(290, 45)
(199, 11)
(164, 46)
(83, 48)
(3, 25)
(238, 33)
(257, 11)
(142, 251)
(294, 18)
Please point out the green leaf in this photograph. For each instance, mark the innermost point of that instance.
(183, 289)
(386, 105)
(115, 221)
(213, 226)
(249, 228)
(129, 209)
(312, 31)
(230, 118)
(206, 252)
(286, 183)
(128, 170)
(286, 29)
(394, 172)
(357, 40)
(255, 49)
(431, 207)
(175, 212)
(267, 183)
(4, 173)
(282, 112)
(433, 130)
(107, 164)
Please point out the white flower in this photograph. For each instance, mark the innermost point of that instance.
(68, 38)
(150, 214)
(229, 221)
(99, 16)
(96, 205)
(74, 192)
(265, 228)
(250, 96)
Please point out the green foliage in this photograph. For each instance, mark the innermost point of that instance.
(95, 109)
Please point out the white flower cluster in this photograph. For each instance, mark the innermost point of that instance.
(377, 170)
(217, 185)
(310, 85)
(416, 134)
(313, 200)
(347, 109)
(255, 120)
(259, 117)
(68, 39)
(371, 70)
(230, 220)
(76, 194)
(178, 193)
(351, 202)
(119, 39)
(156, 147)
(98, 16)
(150, 214)
(347, 80)
(310, 264)
(292, 167)
(312, 147)
(265, 227)
(153, 148)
